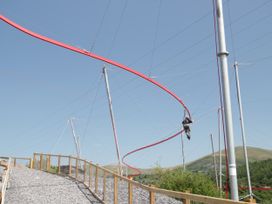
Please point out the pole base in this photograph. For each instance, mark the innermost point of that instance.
(250, 200)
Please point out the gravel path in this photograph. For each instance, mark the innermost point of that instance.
(28, 186)
(140, 196)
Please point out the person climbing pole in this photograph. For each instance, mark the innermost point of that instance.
(186, 126)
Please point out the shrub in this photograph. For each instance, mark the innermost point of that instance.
(179, 180)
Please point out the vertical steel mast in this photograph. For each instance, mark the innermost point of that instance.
(182, 151)
(76, 138)
(242, 128)
(120, 170)
(214, 162)
(219, 150)
(223, 54)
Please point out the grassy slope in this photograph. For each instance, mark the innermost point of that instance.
(254, 154)
(205, 163)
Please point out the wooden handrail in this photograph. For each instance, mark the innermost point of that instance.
(96, 180)
(15, 159)
(186, 197)
(7, 166)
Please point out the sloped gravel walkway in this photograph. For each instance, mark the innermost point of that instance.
(29, 186)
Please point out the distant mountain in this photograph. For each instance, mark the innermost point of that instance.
(204, 164)
(114, 168)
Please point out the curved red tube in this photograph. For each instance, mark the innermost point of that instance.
(145, 147)
(92, 55)
(256, 188)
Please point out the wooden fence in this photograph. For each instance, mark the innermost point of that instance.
(5, 164)
(105, 184)
(27, 161)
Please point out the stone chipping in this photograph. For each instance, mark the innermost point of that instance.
(29, 186)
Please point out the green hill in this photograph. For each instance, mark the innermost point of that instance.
(204, 164)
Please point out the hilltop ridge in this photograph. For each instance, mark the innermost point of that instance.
(205, 163)
(254, 154)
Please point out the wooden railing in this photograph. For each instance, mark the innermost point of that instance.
(108, 186)
(5, 164)
(27, 161)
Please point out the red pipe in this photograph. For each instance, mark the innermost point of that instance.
(145, 147)
(257, 188)
(92, 55)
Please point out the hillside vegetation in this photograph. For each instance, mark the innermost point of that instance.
(199, 177)
(179, 180)
(205, 164)
(261, 176)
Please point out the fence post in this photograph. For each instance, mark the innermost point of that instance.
(130, 193)
(48, 162)
(96, 179)
(31, 163)
(90, 175)
(59, 164)
(185, 200)
(151, 197)
(104, 186)
(14, 160)
(70, 166)
(41, 158)
(76, 168)
(34, 160)
(84, 177)
(115, 190)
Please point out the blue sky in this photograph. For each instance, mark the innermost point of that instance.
(42, 86)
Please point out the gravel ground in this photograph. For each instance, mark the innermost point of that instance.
(28, 186)
(140, 196)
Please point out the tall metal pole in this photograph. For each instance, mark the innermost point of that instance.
(242, 127)
(76, 139)
(113, 121)
(182, 151)
(223, 54)
(219, 150)
(214, 162)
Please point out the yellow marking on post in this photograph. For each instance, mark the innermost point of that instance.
(70, 166)
(41, 160)
(84, 178)
(151, 197)
(59, 164)
(76, 167)
(104, 185)
(130, 193)
(115, 189)
(96, 179)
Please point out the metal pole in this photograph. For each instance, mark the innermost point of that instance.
(112, 120)
(183, 155)
(222, 54)
(76, 139)
(242, 127)
(214, 162)
(219, 150)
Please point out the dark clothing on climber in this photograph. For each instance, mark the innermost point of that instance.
(186, 126)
